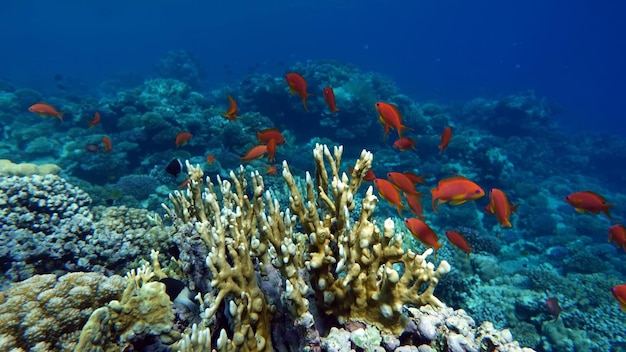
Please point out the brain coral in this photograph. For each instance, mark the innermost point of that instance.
(45, 313)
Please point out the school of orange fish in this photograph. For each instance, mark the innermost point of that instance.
(398, 186)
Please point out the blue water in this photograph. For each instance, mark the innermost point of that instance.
(568, 51)
(84, 57)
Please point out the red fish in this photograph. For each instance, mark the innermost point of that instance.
(210, 159)
(266, 135)
(106, 141)
(183, 184)
(271, 150)
(182, 138)
(423, 233)
(270, 170)
(231, 113)
(456, 190)
(446, 136)
(254, 153)
(405, 143)
(500, 206)
(389, 193)
(415, 204)
(43, 110)
(390, 117)
(297, 85)
(415, 178)
(458, 240)
(589, 202)
(619, 292)
(402, 182)
(369, 175)
(552, 304)
(617, 234)
(329, 96)
(95, 120)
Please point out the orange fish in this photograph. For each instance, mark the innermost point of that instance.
(210, 159)
(369, 175)
(415, 178)
(271, 150)
(617, 234)
(329, 96)
(423, 233)
(44, 110)
(456, 190)
(591, 202)
(552, 304)
(231, 113)
(297, 84)
(182, 138)
(619, 292)
(183, 184)
(266, 135)
(458, 240)
(500, 206)
(254, 153)
(390, 117)
(415, 204)
(446, 136)
(402, 182)
(405, 143)
(95, 120)
(106, 141)
(389, 193)
(270, 170)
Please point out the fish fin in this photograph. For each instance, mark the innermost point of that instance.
(623, 307)
(433, 192)
(514, 208)
(606, 212)
(580, 210)
(43, 116)
(60, 115)
(458, 201)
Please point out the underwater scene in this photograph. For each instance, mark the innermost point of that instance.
(312, 176)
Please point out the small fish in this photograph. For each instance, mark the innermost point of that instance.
(423, 233)
(329, 96)
(271, 150)
(446, 136)
(267, 135)
(179, 293)
(270, 170)
(106, 141)
(174, 168)
(589, 202)
(43, 110)
(389, 193)
(458, 240)
(182, 138)
(617, 234)
(619, 292)
(553, 307)
(369, 175)
(210, 159)
(297, 85)
(456, 190)
(390, 117)
(254, 153)
(95, 120)
(183, 184)
(404, 144)
(500, 206)
(415, 204)
(231, 113)
(402, 182)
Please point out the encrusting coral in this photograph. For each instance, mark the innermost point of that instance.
(353, 267)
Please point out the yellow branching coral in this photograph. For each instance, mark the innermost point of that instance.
(356, 270)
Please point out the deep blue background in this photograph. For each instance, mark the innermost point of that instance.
(570, 51)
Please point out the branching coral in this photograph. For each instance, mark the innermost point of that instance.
(353, 267)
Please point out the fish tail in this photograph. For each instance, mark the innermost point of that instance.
(606, 211)
(59, 115)
(401, 128)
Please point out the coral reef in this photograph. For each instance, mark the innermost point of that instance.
(46, 312)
